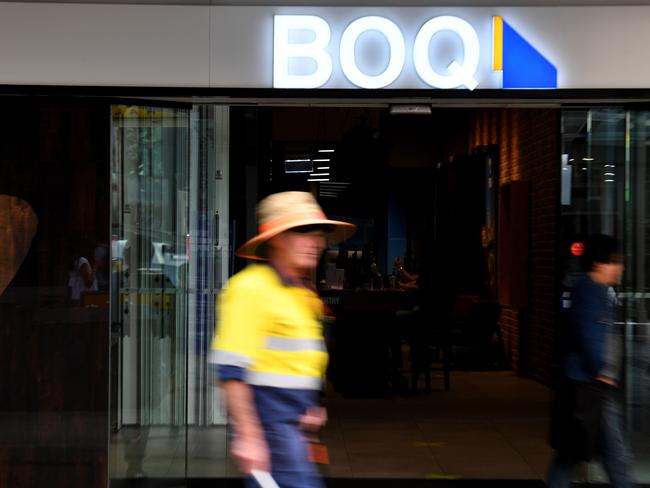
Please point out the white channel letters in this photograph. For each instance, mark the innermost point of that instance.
(287, 48)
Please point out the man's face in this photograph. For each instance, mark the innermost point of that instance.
(612, 272)
(300, 250)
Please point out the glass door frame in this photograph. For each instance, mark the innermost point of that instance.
(198, 263)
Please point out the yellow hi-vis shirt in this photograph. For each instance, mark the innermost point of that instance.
(271, 329)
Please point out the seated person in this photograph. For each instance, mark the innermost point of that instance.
(407, 280)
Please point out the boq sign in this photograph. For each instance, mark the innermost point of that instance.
(286, 48)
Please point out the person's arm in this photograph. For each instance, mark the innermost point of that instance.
(590, 330)
(607, 380)
(249, 448)
(412, 285)
(407, 275)
(314, 419)
(400, 269)
(241, 318)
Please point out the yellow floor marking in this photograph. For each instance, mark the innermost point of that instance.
(429, 444)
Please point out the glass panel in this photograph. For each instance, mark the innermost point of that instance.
(605, 190)
(170, 255)
(150, 222)
(593, 153)
(638, 292)
(210, 252)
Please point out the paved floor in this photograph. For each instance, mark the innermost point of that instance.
(491, 426)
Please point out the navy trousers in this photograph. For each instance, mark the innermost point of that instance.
(290, 464)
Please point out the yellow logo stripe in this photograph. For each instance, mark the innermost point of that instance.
(497, 50)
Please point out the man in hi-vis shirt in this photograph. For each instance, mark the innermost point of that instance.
(269, 348)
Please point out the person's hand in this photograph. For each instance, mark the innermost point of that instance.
(313, 419)
(250, 452)
(411, 285)
(607, 380)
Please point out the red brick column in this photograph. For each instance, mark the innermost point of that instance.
(528, 142)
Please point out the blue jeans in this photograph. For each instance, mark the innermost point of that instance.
(614, 452)
(290, 464)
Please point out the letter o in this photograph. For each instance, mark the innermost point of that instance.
(396, 58)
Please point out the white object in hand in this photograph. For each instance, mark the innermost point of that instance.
(264, 479)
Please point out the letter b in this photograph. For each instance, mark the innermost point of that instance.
(284, 50)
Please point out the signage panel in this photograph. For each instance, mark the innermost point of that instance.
(436, 60)
(436, 48)
(427, 48)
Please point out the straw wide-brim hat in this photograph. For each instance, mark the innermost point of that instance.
(283, 211)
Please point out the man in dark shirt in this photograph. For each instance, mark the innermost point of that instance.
(591, 367)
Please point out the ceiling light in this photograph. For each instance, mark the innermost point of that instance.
(318, 179)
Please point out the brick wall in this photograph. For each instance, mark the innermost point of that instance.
(528, 141)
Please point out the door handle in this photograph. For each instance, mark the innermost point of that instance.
(216, 228)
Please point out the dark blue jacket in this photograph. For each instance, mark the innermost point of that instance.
(590, 319)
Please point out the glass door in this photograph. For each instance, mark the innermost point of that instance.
(169, 252)
(606, 189)
(637, 288)
(210, 258)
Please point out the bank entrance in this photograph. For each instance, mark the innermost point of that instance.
(480, 206)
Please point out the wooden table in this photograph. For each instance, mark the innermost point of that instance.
(361, 338)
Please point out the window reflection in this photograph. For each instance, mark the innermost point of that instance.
(606, 152)
(169, 242)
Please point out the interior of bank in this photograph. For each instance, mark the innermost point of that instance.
(426, 214)
(410, 348)
(425, 300)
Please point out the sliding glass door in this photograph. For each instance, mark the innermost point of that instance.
(170, 254)
(606, 189)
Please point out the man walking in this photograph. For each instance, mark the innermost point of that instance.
(587, 421)
(269, 347)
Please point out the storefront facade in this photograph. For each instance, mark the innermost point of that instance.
(132, 107)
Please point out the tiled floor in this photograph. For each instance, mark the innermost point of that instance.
(491, 425)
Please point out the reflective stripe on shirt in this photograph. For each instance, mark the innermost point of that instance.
(228, 358)
(283, 380)
(294, 344)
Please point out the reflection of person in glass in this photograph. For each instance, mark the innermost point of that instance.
(81, 276)
(269, 348)
(587, 418)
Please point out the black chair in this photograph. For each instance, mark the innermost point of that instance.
(473, 326)
(429, 337)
